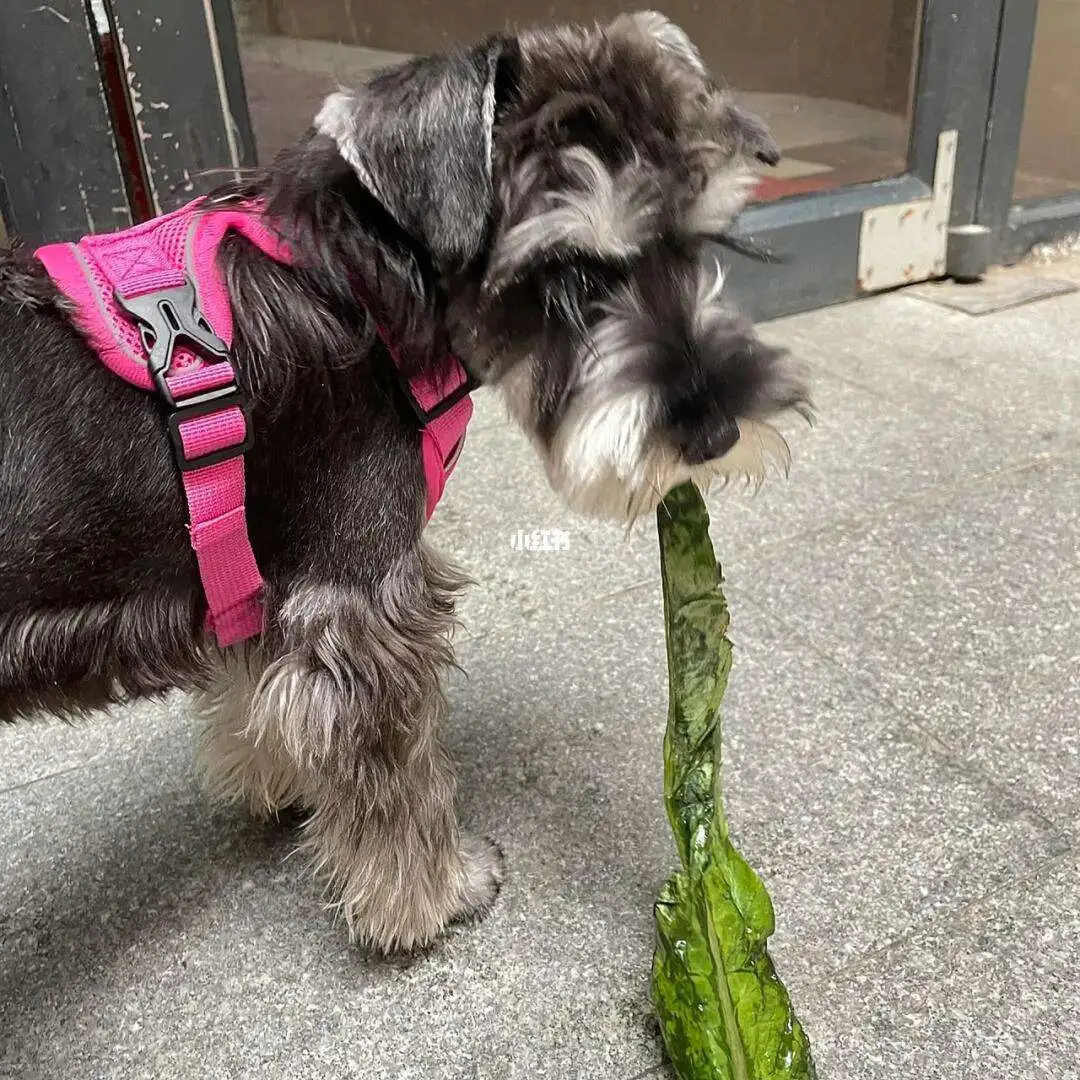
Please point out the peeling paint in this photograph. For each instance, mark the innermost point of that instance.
(43, 111)
(84, 199)
(52, 11)
(15, 130)
(165, 143)
(100, 16)
(137, 106)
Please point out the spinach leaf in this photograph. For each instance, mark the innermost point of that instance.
(723, 1011)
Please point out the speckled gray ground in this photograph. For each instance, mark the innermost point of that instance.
(903, 767)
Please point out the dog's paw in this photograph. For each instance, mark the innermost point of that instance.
(392, 914)
(483, 870)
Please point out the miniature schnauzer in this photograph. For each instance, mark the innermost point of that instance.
(543, 207)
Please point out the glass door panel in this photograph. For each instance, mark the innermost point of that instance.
(833, 78)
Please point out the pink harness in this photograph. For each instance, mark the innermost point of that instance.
(153, 303)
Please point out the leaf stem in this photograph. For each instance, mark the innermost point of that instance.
(740, 1068)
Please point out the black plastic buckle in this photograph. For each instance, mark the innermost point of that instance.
(167, 318)
(171, 317)
(443, 405)
(209, 401)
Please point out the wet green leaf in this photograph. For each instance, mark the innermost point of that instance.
(723, 1011)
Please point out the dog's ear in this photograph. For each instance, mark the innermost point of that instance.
(419, 138)
(749, 134)
(664, 32)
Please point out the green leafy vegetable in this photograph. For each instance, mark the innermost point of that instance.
(723, 1011)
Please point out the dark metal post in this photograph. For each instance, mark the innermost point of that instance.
(181, 64)
(60, 176)
(1017, 227)
(1013, 67)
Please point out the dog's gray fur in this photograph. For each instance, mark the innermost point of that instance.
(541, 204)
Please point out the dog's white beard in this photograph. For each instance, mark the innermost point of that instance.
(598, 457)
(605, 464)
(760, 448)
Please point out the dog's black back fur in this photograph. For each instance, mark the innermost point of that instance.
(95, 562)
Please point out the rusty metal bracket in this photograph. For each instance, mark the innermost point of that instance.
(908, 242)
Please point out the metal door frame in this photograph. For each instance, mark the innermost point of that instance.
(1017, 226)
(818, 235)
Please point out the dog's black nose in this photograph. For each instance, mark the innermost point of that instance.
(710, 444)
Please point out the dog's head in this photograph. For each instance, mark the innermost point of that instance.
(554, 196)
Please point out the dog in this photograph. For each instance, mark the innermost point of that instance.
(540, 207)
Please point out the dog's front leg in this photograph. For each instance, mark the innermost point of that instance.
(240, 764)
(353, 699)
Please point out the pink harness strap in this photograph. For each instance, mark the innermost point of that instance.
(154, 305)
(443, 407)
